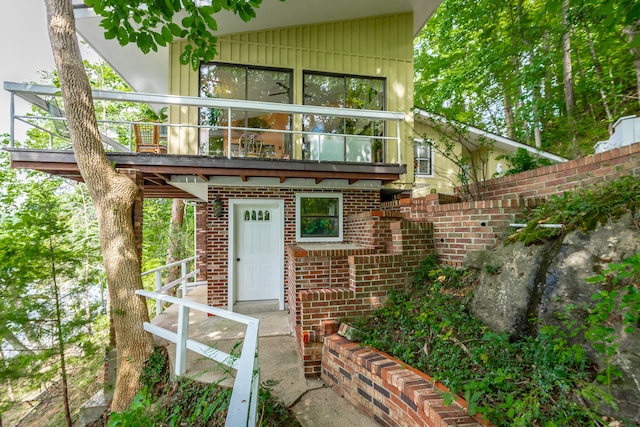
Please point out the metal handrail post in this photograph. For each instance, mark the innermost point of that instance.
(399, 142)
(229, 131)
(183, 271)
(158, 287)
(12, 113)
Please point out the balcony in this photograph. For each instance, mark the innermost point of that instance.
(248, 142)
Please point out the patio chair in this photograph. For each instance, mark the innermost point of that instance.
(251, 145)
(148, 138)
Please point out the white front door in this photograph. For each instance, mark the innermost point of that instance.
(258, 250)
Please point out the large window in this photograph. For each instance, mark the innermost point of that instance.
(343, 139)
(245, 83)
(319, 217)
(423, 157)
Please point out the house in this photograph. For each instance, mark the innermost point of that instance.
(442, 147)
(289, 140)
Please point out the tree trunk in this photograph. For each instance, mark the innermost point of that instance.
(537, 132)
(175, 239)
(60, 337)
(600, 75)
(113, 196)
(631, 32)
(509, 118)
(569, 95)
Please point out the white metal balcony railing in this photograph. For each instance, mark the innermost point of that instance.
(305, 144)
(244, 397)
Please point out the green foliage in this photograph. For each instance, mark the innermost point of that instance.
(522, 161)
(505, 74)
(531, 381)
(582, 209)
(50, 310)
(618, 305)
(188, 402)
(155, 24)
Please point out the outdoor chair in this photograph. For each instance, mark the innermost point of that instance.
(148, 138)
(251, 145)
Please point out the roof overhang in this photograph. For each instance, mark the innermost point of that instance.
(188, 177)
(477, 135)
(150, 73)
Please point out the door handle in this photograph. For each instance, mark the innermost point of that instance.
(237, 259)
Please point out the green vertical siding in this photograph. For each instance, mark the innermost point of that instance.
(379, 46)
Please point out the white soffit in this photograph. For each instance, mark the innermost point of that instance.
(150, 73)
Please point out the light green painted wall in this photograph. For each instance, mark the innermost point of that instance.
(446, 171)
(378, 46)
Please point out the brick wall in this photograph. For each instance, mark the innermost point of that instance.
(555, 179)
(460, 227)
(212, 244)
(371, 276)
(386, 389)
(370, 229)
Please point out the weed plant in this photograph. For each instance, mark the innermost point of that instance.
(185, 402)
(581, 209)
(541, 380)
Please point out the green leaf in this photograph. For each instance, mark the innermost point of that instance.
(211, 22)
(167, 35)
(187, 21)
(123, 37)
(175, 29)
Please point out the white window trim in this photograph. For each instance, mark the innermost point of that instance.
(419, 141)
(299, 237)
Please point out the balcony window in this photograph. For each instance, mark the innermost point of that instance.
(343, 139)
(251, 84)
(319, 217)
(423, 157)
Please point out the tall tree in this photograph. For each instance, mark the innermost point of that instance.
(506, 74)
(146, 25)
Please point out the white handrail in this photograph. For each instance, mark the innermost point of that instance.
(244, 397)
(183, 280)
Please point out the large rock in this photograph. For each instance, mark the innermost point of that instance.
(508, 277)
(523, 288)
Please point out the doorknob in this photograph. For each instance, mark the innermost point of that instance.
(237, 259)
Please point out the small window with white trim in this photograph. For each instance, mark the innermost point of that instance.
(319, 217)
(423, 157)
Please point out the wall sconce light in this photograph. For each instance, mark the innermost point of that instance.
(217, 207)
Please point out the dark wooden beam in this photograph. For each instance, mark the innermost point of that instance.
(156, 168)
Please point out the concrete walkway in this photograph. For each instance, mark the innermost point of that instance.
(313, 403)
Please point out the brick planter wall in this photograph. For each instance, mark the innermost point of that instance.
(371, 276)
(387, 390)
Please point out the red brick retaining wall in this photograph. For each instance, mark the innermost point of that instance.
(387, 390)
(460, 227)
